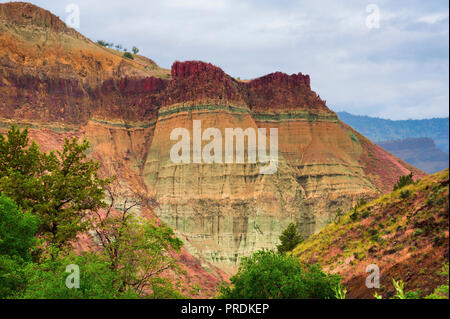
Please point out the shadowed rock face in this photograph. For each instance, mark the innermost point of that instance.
(222, 211)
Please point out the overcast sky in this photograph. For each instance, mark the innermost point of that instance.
(398, 70)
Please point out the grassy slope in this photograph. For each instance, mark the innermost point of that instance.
(405, 235)
(143, 63)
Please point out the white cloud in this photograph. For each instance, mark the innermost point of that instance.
(198, 4)
(433, 18)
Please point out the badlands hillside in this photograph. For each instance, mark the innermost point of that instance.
(404, 233)
(62, 84)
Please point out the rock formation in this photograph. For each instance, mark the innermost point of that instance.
(63, 84)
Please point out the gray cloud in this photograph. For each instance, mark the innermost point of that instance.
(397, 71)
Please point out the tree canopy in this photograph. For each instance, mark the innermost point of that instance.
(269, 275)
(59, 186)
(46, 201)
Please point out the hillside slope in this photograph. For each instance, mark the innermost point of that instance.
(405, 233)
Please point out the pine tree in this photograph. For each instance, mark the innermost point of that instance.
(290, 238)
(404, 181)
(58, 187)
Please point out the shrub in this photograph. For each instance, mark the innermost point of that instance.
(97, 279)
(128, 55)
(354, 215)
(405, 194)
(365, 214)
(268, 275)
(361, 202)
(353, 137)
(340, 292)
(404, 181)
(102, 43)
(418, 232)
(440, 292)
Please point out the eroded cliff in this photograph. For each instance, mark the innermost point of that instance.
(63, 84)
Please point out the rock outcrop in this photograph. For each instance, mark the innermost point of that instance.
(64, 84)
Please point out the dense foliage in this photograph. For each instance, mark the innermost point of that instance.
(17, 237)
(59, 186)
(46, 201)
(128, 55)
(269, 275)
(290, 238)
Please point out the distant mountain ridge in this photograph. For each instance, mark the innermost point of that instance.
(419, 152)
(378, 130)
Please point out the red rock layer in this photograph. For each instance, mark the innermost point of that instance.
(279, 91)
(73, 101)
(194, 81)
(68, 101)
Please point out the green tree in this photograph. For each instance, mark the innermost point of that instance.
(17, 238)
(59, 187)
(63, 196)
(20, 162)
(102, 43)
(135, 50)
(404, 181)
(70, 188)
(97, 280)
(290, 238)
(268, 275)
(128, 55)
(138, 250)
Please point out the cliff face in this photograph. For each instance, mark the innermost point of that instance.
(127, 111)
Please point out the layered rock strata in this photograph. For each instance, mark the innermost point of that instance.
(62, 84)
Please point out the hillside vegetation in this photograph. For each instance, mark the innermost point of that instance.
(405, 233)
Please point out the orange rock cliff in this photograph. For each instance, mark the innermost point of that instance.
(62, 84)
